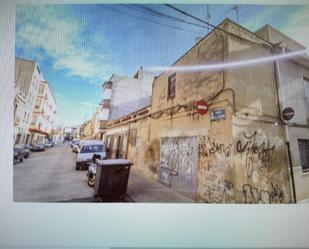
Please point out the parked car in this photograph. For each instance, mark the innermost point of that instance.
(76, 147)
(38, 147)
(18, 154)
(27, 150)
(86, 152)
(24, 149)
(49, 144)
(74, 141)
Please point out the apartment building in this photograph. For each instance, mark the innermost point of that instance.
(27, 82)
(88, 130)
(123, 95)
(43, 114)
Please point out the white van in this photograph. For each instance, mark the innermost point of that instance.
(87, 150)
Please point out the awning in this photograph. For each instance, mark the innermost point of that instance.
(39, 131)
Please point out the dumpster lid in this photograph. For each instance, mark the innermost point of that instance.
(114, 162)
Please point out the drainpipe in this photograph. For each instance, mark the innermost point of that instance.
(277, 81)
(291, 170)
(128, 140)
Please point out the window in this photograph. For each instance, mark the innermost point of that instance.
(91, 148)
(33, 120)
(306, 85)
(41, 89)
(303, 145)
(171, 86)
(37, 104)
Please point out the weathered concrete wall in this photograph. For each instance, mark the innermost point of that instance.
(254, 85)
(238, 160)
(216, 167)
(294, 92)
(259, 150)
(301, 178)
(261, 164)
(213, 151)
(274, 36)
(192, 86)
(116, 141)
(130, 94)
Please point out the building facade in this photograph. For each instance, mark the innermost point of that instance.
(27, 81)
(293, 92)
(123, 95)
(88, 130)
(57, 135)
(43, 114)
(97, 131)
(236, 152)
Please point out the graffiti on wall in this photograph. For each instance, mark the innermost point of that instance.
(216, 188)
(152, 156)
(255, 152)
(177, 162)
(215, 166)
(209, 146)
(176, 155)
(254, 195)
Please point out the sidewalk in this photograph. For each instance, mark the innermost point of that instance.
(141, 189)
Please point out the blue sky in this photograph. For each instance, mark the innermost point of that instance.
(78, 47)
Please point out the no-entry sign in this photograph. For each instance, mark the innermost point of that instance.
(288, 113)
(202, 107)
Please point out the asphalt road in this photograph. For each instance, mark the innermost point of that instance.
(50, 176)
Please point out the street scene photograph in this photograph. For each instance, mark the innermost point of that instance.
(161, 103)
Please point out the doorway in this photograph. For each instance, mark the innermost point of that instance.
(178, 161)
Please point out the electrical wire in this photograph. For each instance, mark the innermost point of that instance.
(170, 111)
(156, 13)
(148, 20)
(266, 43)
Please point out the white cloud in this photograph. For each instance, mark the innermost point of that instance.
(54, 32)
(263, 17)
(296, 26)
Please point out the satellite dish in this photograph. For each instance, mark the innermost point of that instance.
(288, 113)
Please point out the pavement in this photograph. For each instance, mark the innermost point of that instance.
(141, 189)
(50, 176)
